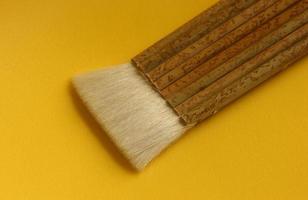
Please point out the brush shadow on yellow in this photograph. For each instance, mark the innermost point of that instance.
(98, 132)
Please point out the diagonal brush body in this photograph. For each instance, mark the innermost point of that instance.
(147, 104)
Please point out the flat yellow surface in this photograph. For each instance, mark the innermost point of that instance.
(50, 148)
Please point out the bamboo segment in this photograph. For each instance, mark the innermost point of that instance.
(225, 52)
(247, 17)
(237, 60)
(261, 36)
(246, 83)
(242, 70)
(189, 33)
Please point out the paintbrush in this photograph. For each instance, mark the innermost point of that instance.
(224, 52)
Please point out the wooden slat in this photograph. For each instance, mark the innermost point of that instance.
(231, 58)
(189, 33)
(246, 83)
(180, 67)
(245, 68)
(204, 66)
(216, 34)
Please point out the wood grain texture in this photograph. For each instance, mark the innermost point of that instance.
(245, 68)
(183, 65)
(213, 36)
(189, 33)
(247, 82)
(188, 77)
(256, 41)
(229, 59)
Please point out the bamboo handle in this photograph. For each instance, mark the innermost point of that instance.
(245, 49)
(189, 33)
(225, 52)
(247, 82)
(247, 21)
(183, 67)
(244, 69)
(209, 73)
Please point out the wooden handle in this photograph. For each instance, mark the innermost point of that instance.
(189, 33)
(247, 82)
(231, 58)
(183, 68)
(207, 71)
(245, 68)
(247, 21)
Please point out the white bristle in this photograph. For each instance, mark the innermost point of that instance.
(133, 114)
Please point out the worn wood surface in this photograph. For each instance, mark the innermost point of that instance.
(247, 82)
(191, 73)
(245, 68)
(219, 32)
(189, 33)
(231, 58)
(193, 62)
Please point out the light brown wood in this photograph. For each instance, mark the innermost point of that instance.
(246, 48)
(209, 72)
(189, 33)
(246, 83)
(183, 66)
(189, 77)
(245, 68)
(246, 19)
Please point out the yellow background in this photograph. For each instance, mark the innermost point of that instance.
(50, 148)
